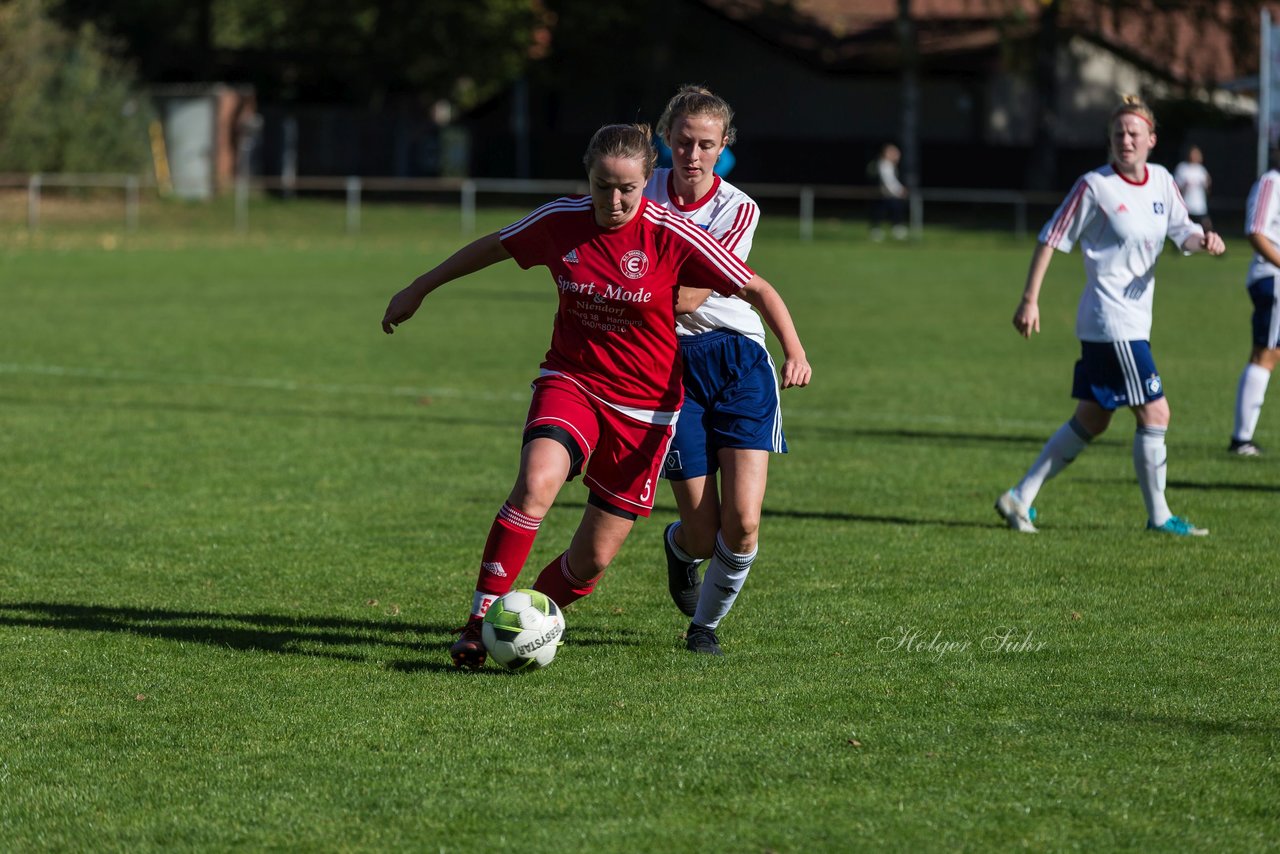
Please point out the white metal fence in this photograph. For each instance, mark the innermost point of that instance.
(468, 191)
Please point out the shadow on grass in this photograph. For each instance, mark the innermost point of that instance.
(876, 518)
(834, 516)
(419, 414)
(336, 638)
(1205, 486)
(1198, 727)
(940, 436)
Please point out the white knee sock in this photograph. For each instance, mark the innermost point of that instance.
(1249, 397)
(1062, 447)
(1150, 459)
(721, 583)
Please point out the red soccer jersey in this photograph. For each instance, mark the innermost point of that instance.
(615, 327)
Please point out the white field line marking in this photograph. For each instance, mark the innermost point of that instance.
(274, 384)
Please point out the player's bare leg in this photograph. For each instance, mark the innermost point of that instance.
(573, 574)
(692, 539)
(744, 475)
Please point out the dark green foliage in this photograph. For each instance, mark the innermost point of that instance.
(66, 103)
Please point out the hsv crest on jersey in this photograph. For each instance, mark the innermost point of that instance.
(634, 264)
(1158, 207)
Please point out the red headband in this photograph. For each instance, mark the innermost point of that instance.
(1134, 112)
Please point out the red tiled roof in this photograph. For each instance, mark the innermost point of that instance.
(1206, 42)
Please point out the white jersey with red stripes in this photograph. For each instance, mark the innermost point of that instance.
(730, 216)
(614, 328)
(1262, 216)
(1121, 227)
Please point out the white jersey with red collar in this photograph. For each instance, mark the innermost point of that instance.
(730, 216)
(1121, 227)
(614, 328)
(1262, 216)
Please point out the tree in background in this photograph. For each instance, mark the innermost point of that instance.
(66, 103)
(326, 51)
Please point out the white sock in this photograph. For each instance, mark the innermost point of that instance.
(1062, 447)
(1150, 459)
(721, 583)
(675, 548)
(1249, 397)
(480, 603)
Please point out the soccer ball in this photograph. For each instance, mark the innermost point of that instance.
(522, 630)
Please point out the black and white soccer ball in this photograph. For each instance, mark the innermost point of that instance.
(522, 630)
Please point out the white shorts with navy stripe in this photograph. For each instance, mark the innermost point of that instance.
(730, 401)
(1117, 373)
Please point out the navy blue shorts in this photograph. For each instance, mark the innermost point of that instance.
(730, 401)
(1266, 315)
(1116, 373)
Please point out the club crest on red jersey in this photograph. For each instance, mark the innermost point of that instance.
(634, 264)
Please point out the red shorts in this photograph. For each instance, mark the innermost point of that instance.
(623, 454)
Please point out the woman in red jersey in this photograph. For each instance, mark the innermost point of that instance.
(609, 392)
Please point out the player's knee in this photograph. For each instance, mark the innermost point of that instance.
(535, 491)
(740, 533)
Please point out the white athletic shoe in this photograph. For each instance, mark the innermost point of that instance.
(1018, 515)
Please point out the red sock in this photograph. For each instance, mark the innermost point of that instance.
(510, 539)
(562, 588)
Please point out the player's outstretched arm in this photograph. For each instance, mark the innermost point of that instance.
(1211, 242)
(795, 366)
(691, 299)
(1265, 248)
(1027, 317)
(474, 256)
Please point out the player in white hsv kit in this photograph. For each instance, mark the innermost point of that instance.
(608, 392)
(1194, 183)
(1120, 214)
(1262, 226)
(731, 421)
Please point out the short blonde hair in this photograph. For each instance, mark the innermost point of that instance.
(1132, 104)
(629, 141)
(698, 101)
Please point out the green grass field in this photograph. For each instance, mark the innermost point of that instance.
(237, 524)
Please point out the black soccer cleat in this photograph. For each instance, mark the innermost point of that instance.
(1244, 448)
(468, 650)
(702, 639)
(682, 578)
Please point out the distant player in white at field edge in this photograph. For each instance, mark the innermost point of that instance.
(1194, 183)
(732, 419)
(1120, 214)
(608, 395)
(1262, 227)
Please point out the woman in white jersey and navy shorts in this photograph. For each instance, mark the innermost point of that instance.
(1262, 227)
(1120, 214)
(608, 393)
(731, 421)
